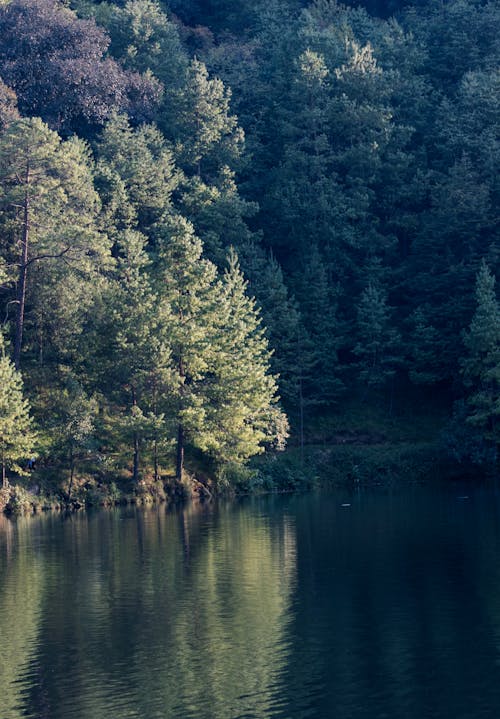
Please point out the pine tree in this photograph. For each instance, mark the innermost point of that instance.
(144, 39)
(219, 214)
(244, 412)
(189, 298)
(481, 368)
(17, 437)
(425, 366)
(136, 175)
(74, 428)
(138, 360)
(206, 134)
(321, 335)
(280, 316)
(378, 347)
(50, 206)
(223, 398)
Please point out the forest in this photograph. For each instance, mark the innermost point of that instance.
(228, 228)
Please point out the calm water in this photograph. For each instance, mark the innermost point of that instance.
(288, 608)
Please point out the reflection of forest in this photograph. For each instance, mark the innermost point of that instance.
(293, 608)
(159, 612)
(21, 589)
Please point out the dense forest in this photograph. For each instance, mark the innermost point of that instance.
(225, 224)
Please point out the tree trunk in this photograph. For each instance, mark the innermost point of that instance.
(155, 459)
(301, 423)
(71, 472)
(155, 441)
(301, 397)
(135, 470)
(136, 458)
(179, 465)
(23, 275)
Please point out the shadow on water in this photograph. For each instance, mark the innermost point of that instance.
(373, 604)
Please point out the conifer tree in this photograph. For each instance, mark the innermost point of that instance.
(218, 213)
(136, 174)
(322, 333)
(425, 366)
(74, 414)
(378, 347)
(189, 311)
(139, 358)
(244, 412)
(280, 316)
(206, 134)
(17, 436)
(481, 367)
(144, 39)
(50, 206)
(223, 397)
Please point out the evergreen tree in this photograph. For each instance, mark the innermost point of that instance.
(425, 365)
(17, 437)
(50, 207)
(481, 367)
(453, 235)
(189, 299)
(219, 214)
(223, 397)
(144, 39)
(137, 358)
(74, 418)
(244, 411)
(280, 316)
(321, 335)
(378, 347)
(136, 175)
(207, 136)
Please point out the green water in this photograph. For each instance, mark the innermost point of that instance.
(289, 608)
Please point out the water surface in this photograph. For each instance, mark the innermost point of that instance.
(289, 607)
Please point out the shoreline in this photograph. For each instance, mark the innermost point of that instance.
(322, 467)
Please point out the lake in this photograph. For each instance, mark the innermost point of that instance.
(371, 605)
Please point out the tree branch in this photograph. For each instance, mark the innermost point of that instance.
(47, 257)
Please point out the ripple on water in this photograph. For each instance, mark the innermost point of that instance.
(288, 608)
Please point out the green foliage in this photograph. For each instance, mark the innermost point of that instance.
(17, 436)
(246, 417)
(136, 175)
(56, 63)
(481, 367)
(379, 343)
(72, 424)
(350, 161)
(208, 135)
(49, 230)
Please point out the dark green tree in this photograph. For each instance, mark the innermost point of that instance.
(481, 366)
(205, 132)
(378, 347)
